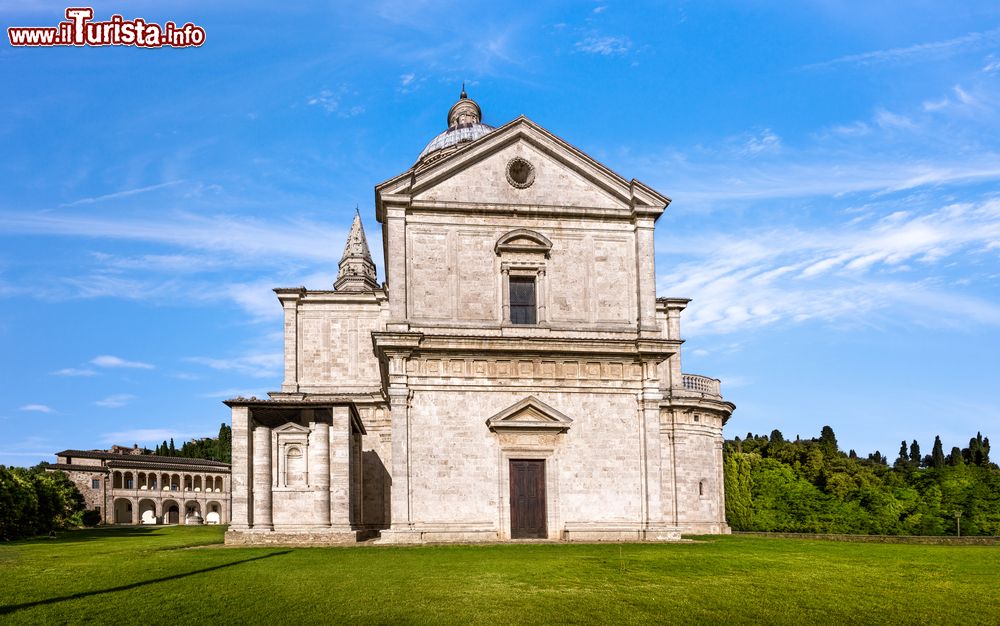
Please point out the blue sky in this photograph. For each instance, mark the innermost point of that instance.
(834, 166)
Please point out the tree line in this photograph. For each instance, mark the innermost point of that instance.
(218, 448)
(35, 502)
(811, 486)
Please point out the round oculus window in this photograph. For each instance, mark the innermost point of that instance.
(520, 173)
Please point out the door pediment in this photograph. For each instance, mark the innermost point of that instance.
(529, 414)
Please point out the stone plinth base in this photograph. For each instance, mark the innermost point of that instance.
(437, 536)
(590, 534)
(705, 528)
(290, 537)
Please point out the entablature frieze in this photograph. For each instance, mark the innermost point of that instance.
(474, 368)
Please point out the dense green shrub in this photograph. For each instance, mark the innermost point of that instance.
(33, 502)
(810, 486)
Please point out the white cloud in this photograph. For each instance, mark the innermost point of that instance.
(845, 273)
(605, 45)
(919, 52)
(37, 408)
(74, 371)
(888, 119)
(264, 365)
(121, 194)
(765, 142)
(331, 101)
(857, 128)
(115, 401)
(963, 96)
(245, 237)
(107, 360)
(326, 100)
(936, 105)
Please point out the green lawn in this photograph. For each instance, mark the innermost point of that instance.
(180, 576)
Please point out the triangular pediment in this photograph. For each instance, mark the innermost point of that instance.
(291, 427)
(479, 174)
(529, 414)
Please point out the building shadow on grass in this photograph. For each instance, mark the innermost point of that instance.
(8, 609)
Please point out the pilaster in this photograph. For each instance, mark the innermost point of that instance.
(646, 274)
(340, 468)
(395, 240)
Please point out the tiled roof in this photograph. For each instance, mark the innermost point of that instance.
(77, 468)
(166, 466)
(144, 458)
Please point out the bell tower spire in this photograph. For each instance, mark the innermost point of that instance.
(357, 270)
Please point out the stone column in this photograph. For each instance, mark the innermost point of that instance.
(646, 279)
(319, 469)
(541, 296)
(339, 447)
(241, 478)
(262, 478)
(505, 294)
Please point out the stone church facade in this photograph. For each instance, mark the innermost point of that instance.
(515, 376)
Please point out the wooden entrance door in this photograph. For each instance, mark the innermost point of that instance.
(527, 499)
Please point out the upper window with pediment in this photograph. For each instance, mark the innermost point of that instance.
(523, 257)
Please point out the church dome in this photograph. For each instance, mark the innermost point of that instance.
(464, 125)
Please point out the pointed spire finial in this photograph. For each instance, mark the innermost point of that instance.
(357, 270)
(464, 95)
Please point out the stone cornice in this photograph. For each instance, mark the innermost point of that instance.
(301, 294)
(679, 399)
(632, 349)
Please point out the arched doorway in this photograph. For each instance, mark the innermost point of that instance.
(192, 512)
(171, 512)
(147, 512)
(123, 511)
(214, 514)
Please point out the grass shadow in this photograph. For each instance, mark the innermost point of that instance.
(98, 533)
(8, 609)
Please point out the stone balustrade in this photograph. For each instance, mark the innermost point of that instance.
(701, 384)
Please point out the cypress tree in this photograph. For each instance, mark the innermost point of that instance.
(915, 454)
(937, 454)
(739, 502)
(173, 450)
(904, 456)
(956, 457)
(828, 440)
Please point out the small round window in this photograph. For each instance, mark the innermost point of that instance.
(520, 173)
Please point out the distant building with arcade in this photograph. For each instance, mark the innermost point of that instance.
(129, 486)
